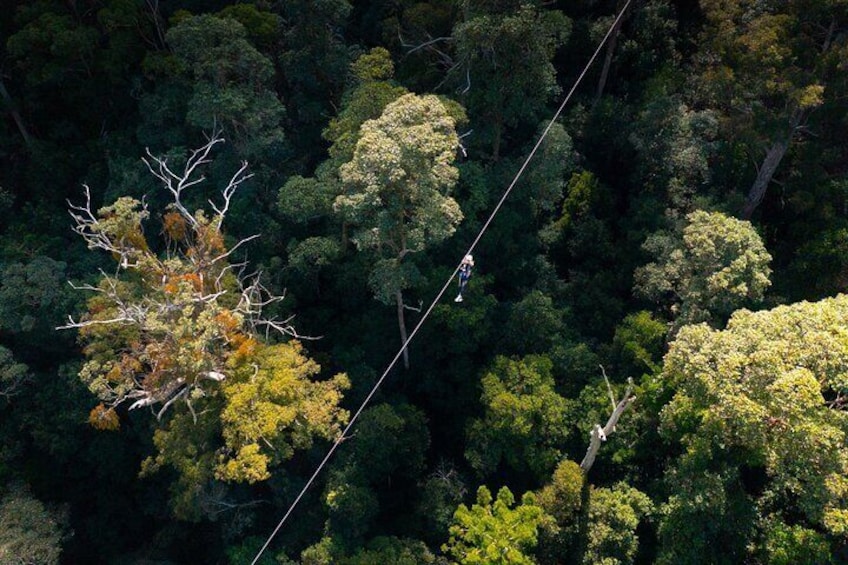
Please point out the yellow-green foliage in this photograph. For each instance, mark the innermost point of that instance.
(272, 407)
(561, 497)
(525, 421)
(177, 332)
(714, 266)
(762, 388)
(495, 533)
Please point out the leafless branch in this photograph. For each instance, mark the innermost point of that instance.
(10, 386)
(84, 324)
(427, 44)
(146, 400)
(609, 387)
(213, 502)
(158, 23)
(414, 308)
(238, 178)
(191, 409)
(128, 313)
(183, 392)
(467, 80)
(177, 183)
(600, 434)
(86, 224)
(234, 247)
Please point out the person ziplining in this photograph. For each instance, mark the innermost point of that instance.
(465, 269)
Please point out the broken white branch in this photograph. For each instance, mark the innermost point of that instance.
(168, 404)
(609, 387)
(599, 434)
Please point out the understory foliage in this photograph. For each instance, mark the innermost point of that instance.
(29, 531)
(648, 364)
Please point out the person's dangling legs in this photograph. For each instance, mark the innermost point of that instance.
(463, 281)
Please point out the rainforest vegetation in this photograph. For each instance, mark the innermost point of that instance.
(220, 220)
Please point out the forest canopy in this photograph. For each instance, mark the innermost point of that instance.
(219, 222)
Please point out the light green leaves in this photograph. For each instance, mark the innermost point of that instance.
(714, 266)
(762, 393)
(495, 533)
(525, 421)
(397, 181)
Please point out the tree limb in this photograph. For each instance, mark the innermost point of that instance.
(600, 434)
(177, 183)
(15, 115)
(86, 224)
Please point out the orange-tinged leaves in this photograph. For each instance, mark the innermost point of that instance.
(209, 241)
(174, 226)
(174, 282)
(249, 466)
(103, 418)
(227, 321)
(246, 348)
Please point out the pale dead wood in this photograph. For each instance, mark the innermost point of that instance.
(598, 433)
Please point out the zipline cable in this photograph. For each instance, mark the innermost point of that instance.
(441, 293)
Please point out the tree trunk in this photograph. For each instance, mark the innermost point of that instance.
(402, 327)
(496, 141)
(597, 435)
(778, 149)
(613, 40)
(769, 166)
(345, 237)
(583, 522)
(15, 115)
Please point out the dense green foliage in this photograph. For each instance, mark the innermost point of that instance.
(684, 224)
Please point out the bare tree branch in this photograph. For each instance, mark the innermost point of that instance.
(168, 404)
(86, 224)
(238, 178)
(427, 44)
(599, 434)
(236, 246)
(609, 387)
(16, 115)
(177, 183)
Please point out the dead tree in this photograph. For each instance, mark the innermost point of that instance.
(182, 313)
